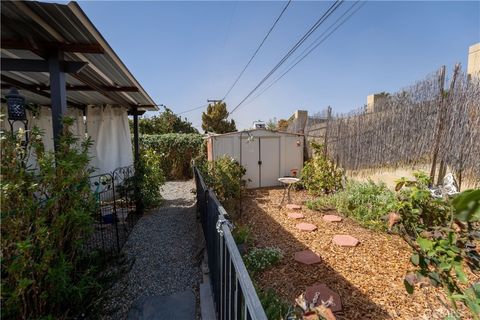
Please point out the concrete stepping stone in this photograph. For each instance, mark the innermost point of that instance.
(324, 294)
(345, 240)
(332, 218)
(292, 206)
(307, 257)
(177, 306)
(306, 226)
(295, 215)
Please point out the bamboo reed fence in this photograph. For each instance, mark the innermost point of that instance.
(436, 121)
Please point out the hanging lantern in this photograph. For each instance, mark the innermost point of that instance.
(16, 106)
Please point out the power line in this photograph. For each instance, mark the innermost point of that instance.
(312, 29)
(258, 49)
(193, 109)
(322, 38)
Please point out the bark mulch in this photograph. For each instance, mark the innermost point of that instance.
(368, 278)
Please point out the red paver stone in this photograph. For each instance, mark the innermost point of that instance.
(324, 295)
(306, 226)
(295, 215)
(332, 218)
(345, 240)
(307, 257)
(292, 206)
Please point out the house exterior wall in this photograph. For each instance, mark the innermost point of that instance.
(279, 153)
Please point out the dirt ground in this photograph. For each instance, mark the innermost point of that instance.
(368, 278)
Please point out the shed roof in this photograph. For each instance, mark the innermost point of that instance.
(251, 130)
(30, 29)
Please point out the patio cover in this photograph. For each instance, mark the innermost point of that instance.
(56, 57)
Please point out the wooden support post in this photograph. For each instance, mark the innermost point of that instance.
(139, 203)
(135, 138)
(58, 94)
(440, 119)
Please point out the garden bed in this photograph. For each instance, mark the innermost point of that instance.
(368, 278)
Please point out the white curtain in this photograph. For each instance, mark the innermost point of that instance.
(112, 146)
(43, 120)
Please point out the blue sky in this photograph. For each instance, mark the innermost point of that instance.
(184, 53)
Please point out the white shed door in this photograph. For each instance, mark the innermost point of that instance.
(250, 157)
(270, 161)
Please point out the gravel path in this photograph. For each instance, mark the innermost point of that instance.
(162, 246)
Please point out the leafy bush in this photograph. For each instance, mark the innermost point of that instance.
(166, 122)
(46, 215)
(176, 151)
(148, 179)
(418, 209)
(439, 232)
(225, 177)
(319, 174)
(365, 202)
(275, 307)
(241, 234)
(259, 259)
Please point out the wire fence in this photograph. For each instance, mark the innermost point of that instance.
(116, 213)
(436, 121)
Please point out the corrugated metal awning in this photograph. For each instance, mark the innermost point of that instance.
(31, 29)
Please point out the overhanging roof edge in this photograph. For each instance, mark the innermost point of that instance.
(80, 14)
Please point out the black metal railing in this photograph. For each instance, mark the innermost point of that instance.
(233, 292)
(115, 214)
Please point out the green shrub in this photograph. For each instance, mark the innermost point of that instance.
(225, 177)
(275, 307)
(418, 209)
(366, 202)
(46, 215)
(176, 151)
(241, 234)
(260, 259)
(439, 231)
(319, 174)
(149, 178)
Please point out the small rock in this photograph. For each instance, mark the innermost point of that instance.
(332, 218)
(292, 206)
(307, 257)
(306, 226)
(295, 215)
(345, 241)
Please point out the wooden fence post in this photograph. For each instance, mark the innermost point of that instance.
(440, 119)
(329, 117)
(449, 96)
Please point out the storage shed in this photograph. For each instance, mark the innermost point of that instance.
(267, 155)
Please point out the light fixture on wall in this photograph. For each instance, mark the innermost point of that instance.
(16, 110)
(299, 143)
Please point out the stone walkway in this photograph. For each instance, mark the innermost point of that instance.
(162, 247)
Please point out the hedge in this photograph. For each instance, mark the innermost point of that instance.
(176, 150)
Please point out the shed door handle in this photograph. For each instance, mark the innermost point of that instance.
(259, 163)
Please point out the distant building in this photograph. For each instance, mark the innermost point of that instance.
(473, 65)
(297, 122)
(374, 101)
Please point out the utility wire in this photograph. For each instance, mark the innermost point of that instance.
(193, 109)
(312, 29)
(256, 51)
(322, 38)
